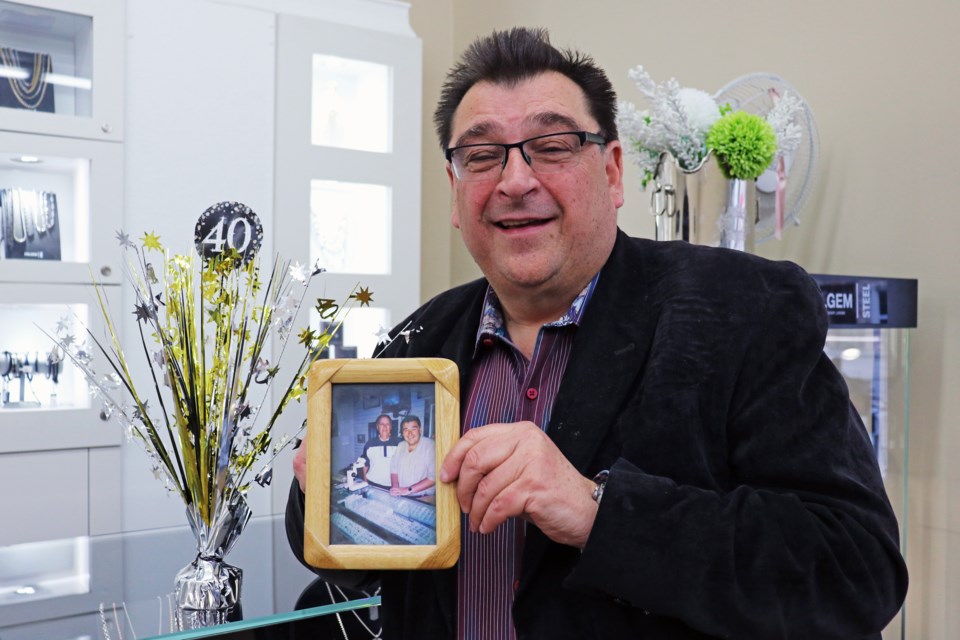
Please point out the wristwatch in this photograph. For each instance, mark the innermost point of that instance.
(601, 481)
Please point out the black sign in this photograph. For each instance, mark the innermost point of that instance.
(858, 301)
(228, 225)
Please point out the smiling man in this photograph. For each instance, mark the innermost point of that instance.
(654, 444)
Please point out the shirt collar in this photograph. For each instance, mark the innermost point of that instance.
(491, 319)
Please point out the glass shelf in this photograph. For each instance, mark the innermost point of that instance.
(120, 584)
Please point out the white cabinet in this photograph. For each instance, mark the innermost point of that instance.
(61, 202)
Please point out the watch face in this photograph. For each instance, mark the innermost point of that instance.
(228, 226)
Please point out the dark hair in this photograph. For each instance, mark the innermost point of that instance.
(411, 418)
(508, 57)
(384, 415)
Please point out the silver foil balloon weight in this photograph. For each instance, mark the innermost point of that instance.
(702, 206)
(208, 584)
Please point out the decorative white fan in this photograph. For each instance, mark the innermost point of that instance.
(756, 93)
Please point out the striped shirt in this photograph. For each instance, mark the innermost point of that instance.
(505, 387)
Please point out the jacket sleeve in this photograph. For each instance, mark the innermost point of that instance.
(796, 539)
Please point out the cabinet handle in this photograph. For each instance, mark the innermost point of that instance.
(106, 127)
(105, 271)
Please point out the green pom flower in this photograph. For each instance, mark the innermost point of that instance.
(744, 144)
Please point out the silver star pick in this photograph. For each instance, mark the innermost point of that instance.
(298, 272)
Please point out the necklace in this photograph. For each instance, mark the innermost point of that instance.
(40, 212)
(18, 219)
(31, 90)
(50, 208)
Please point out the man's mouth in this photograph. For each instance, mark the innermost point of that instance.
(516, 224)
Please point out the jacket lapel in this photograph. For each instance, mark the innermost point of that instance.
(604, 370)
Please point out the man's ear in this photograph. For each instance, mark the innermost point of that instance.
(454, 215)
(614, 169)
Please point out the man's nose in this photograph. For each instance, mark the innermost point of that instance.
(517, 176)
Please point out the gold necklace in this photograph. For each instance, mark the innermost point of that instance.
(29, 92)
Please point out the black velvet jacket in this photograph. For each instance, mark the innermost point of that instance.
(744, 500)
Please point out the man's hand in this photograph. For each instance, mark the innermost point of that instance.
(300, 464)
(505, 470)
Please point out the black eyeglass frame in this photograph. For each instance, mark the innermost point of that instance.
(585, 137)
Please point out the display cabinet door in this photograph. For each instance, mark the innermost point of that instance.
(62, 67)
(41, 408)
(61, 202)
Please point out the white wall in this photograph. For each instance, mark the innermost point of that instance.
(200, 114)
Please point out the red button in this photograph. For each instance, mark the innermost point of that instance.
(532, 393)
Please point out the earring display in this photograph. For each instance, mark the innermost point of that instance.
(26, 85)
(21, 368)
(29, 224)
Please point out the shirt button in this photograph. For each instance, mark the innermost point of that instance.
(532, 393)
(487, 342)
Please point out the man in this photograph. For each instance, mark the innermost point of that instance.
(378, 453)
(654, 444)
(413, 469)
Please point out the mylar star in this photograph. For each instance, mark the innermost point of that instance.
(124, 239)
(298, 272)
(307, 336)
(383, 335)
(142, 311)
(151, 241)
(364, 296)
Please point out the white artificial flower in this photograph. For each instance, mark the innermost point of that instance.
(700, 108)
(782, 118)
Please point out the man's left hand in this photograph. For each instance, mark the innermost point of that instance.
(505, 470)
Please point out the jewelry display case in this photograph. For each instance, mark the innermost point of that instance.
(61, 67)
(869, 342)
(60, 203)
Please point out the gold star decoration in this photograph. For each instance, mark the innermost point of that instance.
(151, 241)
(307, 336)
(364, 296)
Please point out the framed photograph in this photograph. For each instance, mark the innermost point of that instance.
(374, 502)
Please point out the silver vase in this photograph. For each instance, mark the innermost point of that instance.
(702, 206)
(208, 587)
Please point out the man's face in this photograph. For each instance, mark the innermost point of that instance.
(536, 233)
(411, 433)
(384, 428)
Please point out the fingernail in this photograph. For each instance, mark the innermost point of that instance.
(444, 476)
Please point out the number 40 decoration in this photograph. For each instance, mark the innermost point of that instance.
(228, 225)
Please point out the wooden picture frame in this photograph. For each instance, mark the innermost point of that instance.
(342, 510)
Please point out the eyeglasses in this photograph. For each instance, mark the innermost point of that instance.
(550, 153)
